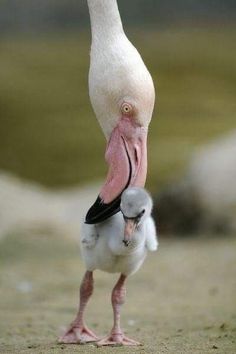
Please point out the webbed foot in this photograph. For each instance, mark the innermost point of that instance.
(78, 334)
(117, 339)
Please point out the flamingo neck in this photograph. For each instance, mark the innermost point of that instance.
(105, 19)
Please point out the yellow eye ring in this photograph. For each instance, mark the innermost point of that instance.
(126, 108)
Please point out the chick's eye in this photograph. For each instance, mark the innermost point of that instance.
(143, 211)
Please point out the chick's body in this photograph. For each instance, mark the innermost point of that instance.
(102, 245)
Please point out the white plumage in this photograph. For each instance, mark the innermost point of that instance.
(102, 245)
(117, 73)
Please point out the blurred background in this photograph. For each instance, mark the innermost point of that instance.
(52, 149)
(45, 113)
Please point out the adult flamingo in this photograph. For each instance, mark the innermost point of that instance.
(122, 95)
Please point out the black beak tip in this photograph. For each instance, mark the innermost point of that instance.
(100, 211)
(126, 243)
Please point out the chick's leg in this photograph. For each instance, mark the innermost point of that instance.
(117, 336)
(78, 332)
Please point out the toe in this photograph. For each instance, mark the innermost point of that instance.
(68, 338)
(78, 334)
(117, 340)
(130, 341)
(85, 335)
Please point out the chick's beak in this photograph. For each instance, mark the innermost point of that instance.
(130, 227)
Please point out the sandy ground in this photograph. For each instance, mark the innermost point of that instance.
(181, 301)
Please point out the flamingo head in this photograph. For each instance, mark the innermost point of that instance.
(122, 96)
(126, 155)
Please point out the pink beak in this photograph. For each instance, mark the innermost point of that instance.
(126, 155)
(130, 227)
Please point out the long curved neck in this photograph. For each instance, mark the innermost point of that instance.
(105, 18)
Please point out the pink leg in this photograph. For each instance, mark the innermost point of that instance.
(117, 336)
(78, 331)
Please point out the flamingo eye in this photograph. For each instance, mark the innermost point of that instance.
(126, 108)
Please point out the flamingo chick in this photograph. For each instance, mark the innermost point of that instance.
(117, 245)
